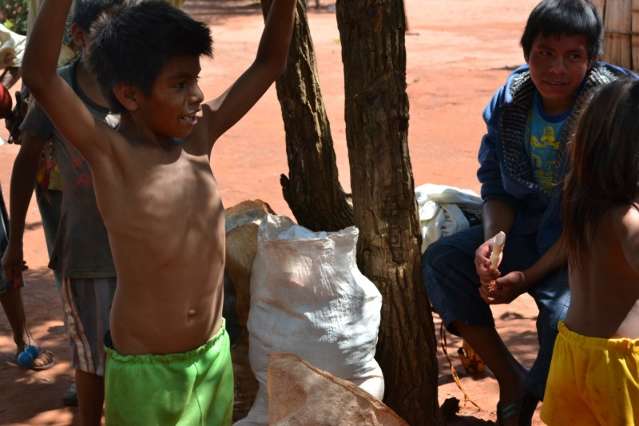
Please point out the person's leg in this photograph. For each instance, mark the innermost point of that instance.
(90, 388)
(10, 295)
(87, 307)
(11, 300)
(510, 374)
(453, 289)
(49, 204)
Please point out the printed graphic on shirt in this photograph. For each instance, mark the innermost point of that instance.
(544, 146)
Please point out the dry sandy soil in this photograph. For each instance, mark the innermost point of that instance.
(459, 52)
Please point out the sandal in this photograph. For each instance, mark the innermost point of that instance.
(33, 358)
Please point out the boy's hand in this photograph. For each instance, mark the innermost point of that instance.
(13, 263)
(504, 289)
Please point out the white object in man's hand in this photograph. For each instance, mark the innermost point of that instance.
(497, 247)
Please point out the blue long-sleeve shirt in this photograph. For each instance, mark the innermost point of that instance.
(506, 171)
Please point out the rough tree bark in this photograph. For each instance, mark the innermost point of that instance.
(312, 189)
(374, 57)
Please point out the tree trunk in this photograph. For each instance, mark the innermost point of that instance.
(374, 57)
(312, 189)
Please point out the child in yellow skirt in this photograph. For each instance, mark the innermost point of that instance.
(594, 374)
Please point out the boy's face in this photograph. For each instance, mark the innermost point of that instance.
(558, 64)
(175, 98)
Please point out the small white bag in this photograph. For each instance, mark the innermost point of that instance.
(440, 210)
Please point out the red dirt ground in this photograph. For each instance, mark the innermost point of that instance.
(459, 52)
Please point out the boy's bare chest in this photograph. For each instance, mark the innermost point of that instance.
(180, 194)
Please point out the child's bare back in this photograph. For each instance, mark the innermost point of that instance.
(605, 289)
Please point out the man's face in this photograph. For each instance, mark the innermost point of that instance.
(175, 98)
(558, 65)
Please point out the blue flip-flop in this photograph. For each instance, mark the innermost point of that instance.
(28, 357)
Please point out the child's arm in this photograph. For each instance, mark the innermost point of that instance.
(269, 63)
(629, 236)
(64, 107)
(23, 179)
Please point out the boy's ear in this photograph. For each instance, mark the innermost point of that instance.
(127, 95)
(78, 36)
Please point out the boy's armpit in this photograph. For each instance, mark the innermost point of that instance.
(202, 139)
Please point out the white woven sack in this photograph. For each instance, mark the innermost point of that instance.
(309, 298)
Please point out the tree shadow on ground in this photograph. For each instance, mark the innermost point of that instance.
(28, 394)
(218, 11)
(523, 345)
(212, 9)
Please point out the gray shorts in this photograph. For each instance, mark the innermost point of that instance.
(87, 305)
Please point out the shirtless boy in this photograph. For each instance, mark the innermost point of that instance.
(170, 360)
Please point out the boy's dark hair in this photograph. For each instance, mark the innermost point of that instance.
(564, 17)
(604, 170)
(132, 44)
(85, 12)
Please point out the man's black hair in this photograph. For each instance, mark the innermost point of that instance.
(85, 12)
(132, 45)
(564, 17)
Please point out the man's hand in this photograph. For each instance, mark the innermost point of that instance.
(13, 263)
(504, 289)
(15, 118)
(485, 271)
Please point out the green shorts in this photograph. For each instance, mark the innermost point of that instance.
(189, 389)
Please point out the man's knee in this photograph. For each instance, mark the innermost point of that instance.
(438, 258)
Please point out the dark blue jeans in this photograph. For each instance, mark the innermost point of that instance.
(449, 274)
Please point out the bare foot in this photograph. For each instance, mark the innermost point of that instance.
(43, 361)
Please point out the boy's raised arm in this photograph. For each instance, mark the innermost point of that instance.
(269, 64)
(39, 71)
